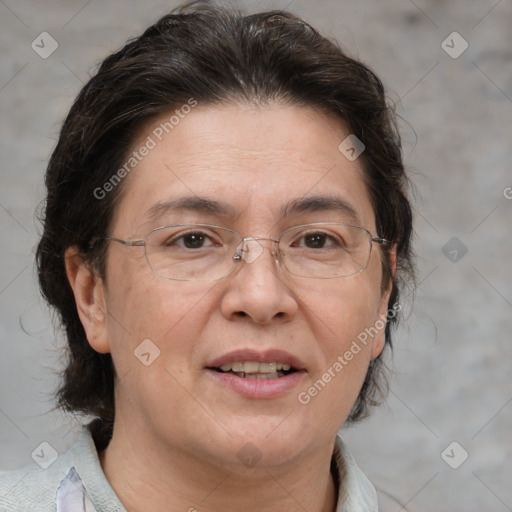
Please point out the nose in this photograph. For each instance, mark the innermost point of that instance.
(258, 289)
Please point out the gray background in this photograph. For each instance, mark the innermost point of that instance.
(451, 370)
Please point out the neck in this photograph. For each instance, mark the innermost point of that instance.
(147, 477)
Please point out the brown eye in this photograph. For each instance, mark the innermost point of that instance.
(190, 240)
(315, 241)
(194, 240)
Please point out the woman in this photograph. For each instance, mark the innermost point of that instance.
(226, 229)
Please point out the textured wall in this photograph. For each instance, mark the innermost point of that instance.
(451, 379)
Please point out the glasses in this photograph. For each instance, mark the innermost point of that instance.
(203, 252)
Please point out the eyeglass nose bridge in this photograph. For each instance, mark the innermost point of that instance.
(252, 251)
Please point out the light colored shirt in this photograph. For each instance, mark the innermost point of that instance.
(75, 482)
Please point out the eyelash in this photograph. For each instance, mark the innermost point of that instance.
(173, 241)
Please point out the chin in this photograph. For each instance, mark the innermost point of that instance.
(275, 440)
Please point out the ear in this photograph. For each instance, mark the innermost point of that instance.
(88, 289)
(383, 313)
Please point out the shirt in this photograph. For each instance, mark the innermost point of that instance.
(75, 482)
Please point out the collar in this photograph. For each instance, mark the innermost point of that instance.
(355, 492)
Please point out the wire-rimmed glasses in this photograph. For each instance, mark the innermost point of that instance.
(205, 252)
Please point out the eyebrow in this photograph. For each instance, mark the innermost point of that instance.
(192, 203)
(214, 207)
(320, 203)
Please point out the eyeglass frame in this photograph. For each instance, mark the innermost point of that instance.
(237, 256)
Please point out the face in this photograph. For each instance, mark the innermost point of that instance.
(255, 162)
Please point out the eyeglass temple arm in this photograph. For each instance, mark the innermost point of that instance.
(381, 241)
(126, 242)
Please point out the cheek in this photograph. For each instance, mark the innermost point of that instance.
(346, 308)
(153, 349)
(346, 319)
(146, 307)
(347, 341)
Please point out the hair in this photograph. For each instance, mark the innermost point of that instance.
(214, 55)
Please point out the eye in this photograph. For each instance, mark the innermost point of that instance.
(194, 240)
(190, 240)
(316, 240)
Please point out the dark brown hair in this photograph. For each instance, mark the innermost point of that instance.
(214, 55)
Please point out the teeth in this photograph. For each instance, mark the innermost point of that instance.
(255, 367)
(252, 367)
(237, 367)
(265, 368)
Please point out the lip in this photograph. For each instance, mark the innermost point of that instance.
(265, 356)
(257, 388)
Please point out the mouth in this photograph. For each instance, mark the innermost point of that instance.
(257, 374)
(256, 370)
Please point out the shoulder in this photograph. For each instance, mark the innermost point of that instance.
(74, 480)
(31, 488)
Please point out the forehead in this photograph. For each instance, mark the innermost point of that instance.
(244, 165)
